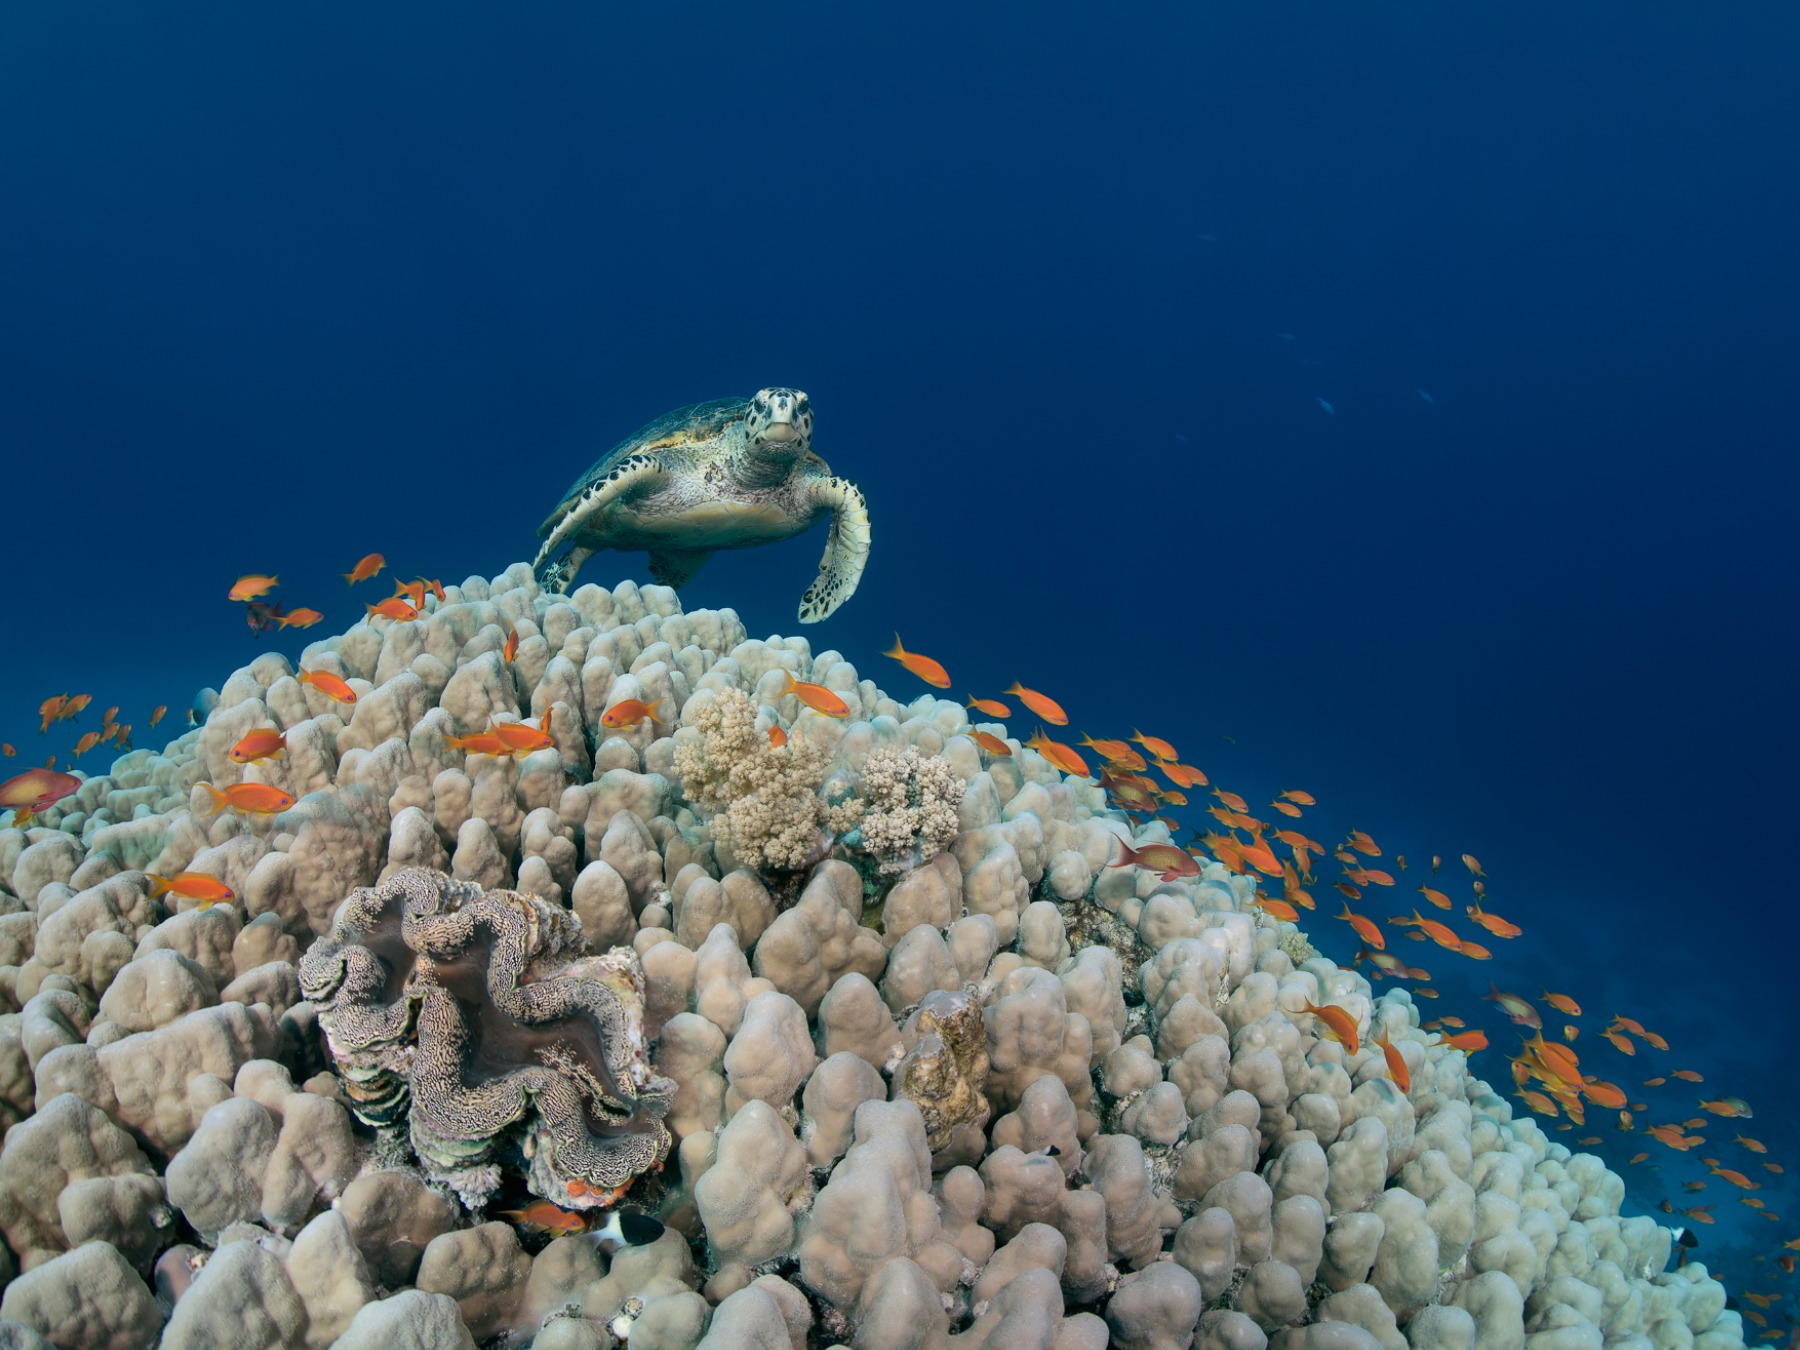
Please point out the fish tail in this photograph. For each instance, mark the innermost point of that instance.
(159, 886)
(1127, 855)
(218, 798)
(899, 652)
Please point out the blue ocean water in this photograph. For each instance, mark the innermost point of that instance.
(1393, 404)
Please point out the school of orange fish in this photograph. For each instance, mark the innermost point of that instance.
(1547, 1074)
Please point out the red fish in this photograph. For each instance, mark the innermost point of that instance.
(1041, 704)
(922, 666)
(631, 711)
(252, 586)
(259, 744)
(543, 1217)
(332, 686)
(36, 790)
(259, 799)
(199, 886)
(815, 696)
(368, 567)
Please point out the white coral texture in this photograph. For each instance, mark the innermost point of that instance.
(910, 807)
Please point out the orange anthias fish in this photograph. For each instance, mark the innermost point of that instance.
(199, 886)
(543, 1217)
(1728, 1106)
(259, 744)
(1363, 844)
(1062, 756)
(413, 591)
(86, 743)
(523, 736)
(815, 696)
(1437, 898)
(260, 799)
(1437, 932)
(1168, 859)
(629, 712)
(779, 738)
(1468, 1041)
(511, 649)
(1563, 1004)
(993, 707)
(396, 608)
(1475, 951)
(1286, 808)
(368, 567)
(1688, 1075)
(1158, 748)
(298, 618)
(1754, 1145)
(1338, 1022)
(922, 666)
(36, 790)
(1474, 866)
(1231, 800)
(1600, 1093)
(1396, 1062)
(156, 713)
(482, 743)
(8, 749)
(252, 586)
(1303, 798)
(73, 706)
(1365, 928)
(51, 711)
(1496, 925)
(1279, 909)
(1044, 706)
(1737, 1179)
(1183, 775)
(989, 742)
(1519, 1010)
(332, 686)
(1116, 753)
(436, 589)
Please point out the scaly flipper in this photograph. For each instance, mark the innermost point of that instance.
(846, 549)
(636, 473)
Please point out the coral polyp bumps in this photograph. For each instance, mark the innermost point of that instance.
(480, 1019)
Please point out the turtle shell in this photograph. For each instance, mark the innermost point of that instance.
(693, 425)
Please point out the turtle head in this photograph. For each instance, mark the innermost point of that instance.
(780, 418)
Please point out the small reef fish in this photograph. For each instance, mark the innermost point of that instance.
(36, 790)
(1688, 1075)
(629, 712)
(1168, 859)
(7, 749)
(1437, 932)
(1279, 909)
(1754, 1145)
(1041, 704)
(1062, 756)
(259, 744)
(412, 591)
(627, 1230)
(51, 711)
(299, 618)
(989, 742)
(1231, 800)
(993, 707)
(1396, 1062)
(436, 589)
(815, 696)
(541, 1216)
(1519, 1010)
(156, 713)
(1563, 1004)
(1183, 775)
(1474, 951)
(1338, 1023)
(779, 738)
(1468, 1041)
(482, 743)
(1365, 928)
(524, 736)
(1363, 844)
(209, 890)
(261, 617)
(86, 743)
(72, 707)
(1117, 754)
(1728, 1106)
(1300, 798)
(1496, 925)
(1470, 862)
(922, 666)
(1159, 749)
(251, 587)
(368, 567)
(259, 799)
(512, 646)
(332, 686)
(396, 608)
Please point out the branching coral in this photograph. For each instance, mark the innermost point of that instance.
(910, 804)
(764, 798)
(476, 1017)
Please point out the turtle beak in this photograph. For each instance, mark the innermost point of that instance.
(781, 431)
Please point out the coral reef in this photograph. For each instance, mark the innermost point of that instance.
(1007, 1096)
(478, 1016)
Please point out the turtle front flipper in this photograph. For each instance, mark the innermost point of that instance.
(846, 549)
(635, 474)
(675, 567)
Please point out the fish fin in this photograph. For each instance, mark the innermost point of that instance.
(899, 653)
(218, 798)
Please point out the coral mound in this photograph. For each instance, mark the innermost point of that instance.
(463, 1011)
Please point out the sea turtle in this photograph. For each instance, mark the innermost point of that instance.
(725, 474)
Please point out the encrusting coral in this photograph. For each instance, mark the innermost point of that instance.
(478, 1016)
(1018, 1096)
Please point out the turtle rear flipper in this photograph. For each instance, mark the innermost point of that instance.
(846, 548)
(676, 567)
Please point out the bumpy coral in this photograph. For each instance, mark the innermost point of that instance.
(462, 1011)
(947, 1065)
(910, 804)
(764, 798)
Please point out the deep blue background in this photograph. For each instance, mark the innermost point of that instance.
(281, 287)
